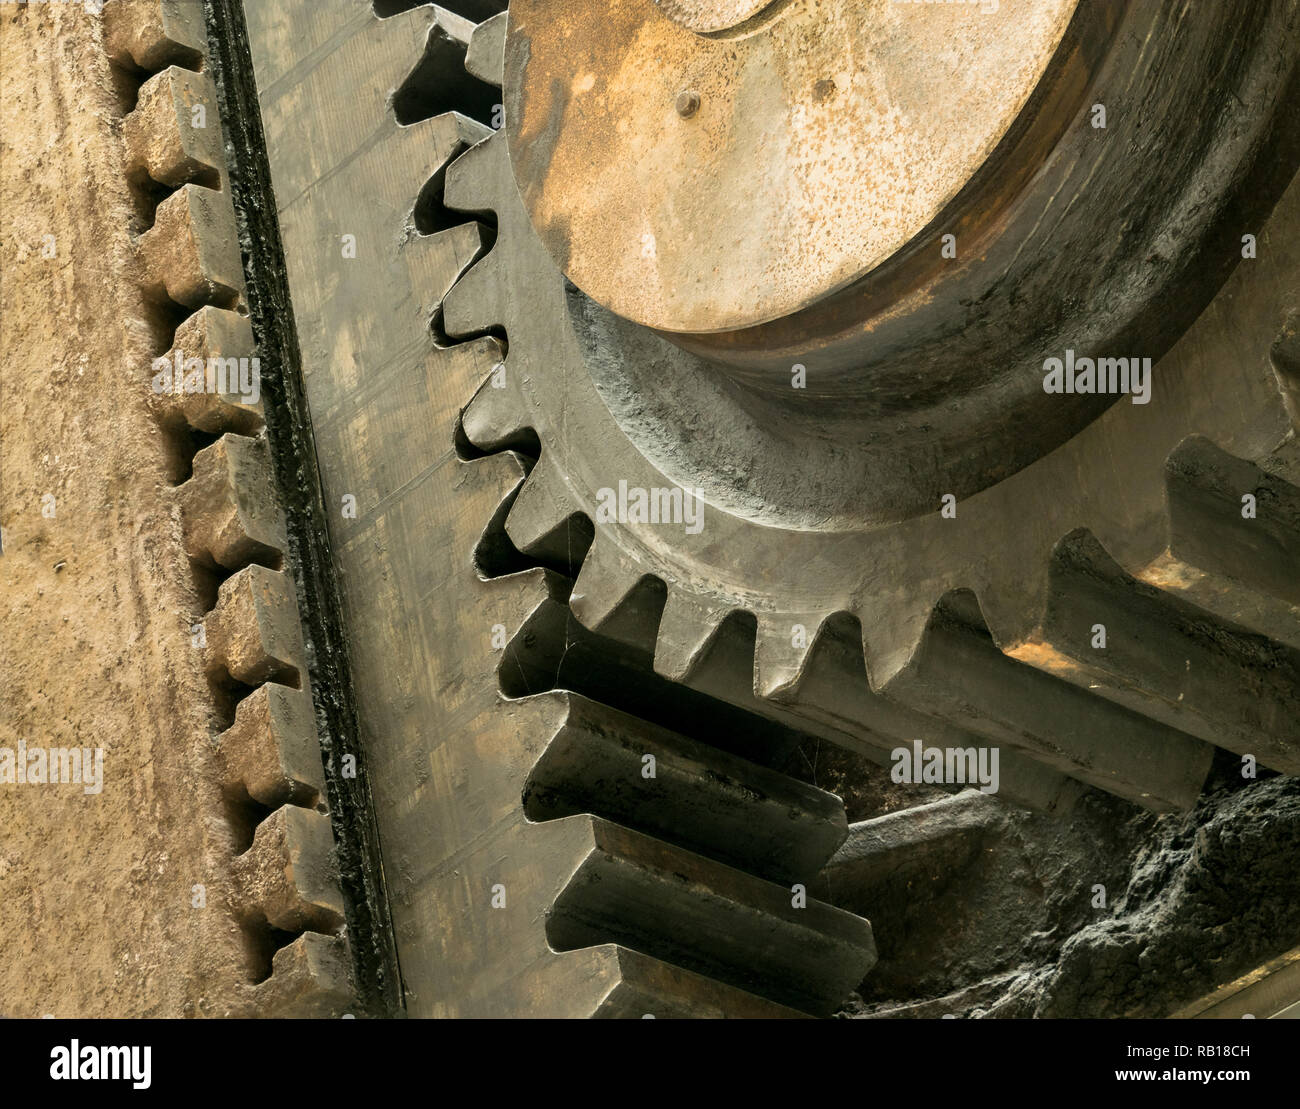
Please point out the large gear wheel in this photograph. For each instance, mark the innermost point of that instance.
(978, 612)
(627, 500)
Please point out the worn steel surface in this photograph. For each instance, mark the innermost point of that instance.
(803, 155)
(712, 16)
(534, 869)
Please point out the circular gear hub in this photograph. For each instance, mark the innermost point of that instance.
(694, 181)
(868, 226)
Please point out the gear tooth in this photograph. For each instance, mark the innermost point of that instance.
(289, 876)
(466, 243)
(229, 511)
(452, 134)
(892, 630)
(151, 34)
(161, 141)
(474, 304)
(310, 978)
(508, 467)
(608, 576)
(538, 520)
(744, 928)
(960, 675)
(493, 418)
(782, 645)
(1205, 676)
(1205, 489)
(191, 254)
(467, 175)
(687, 625)
(486, 56)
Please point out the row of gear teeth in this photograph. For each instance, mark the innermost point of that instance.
(653, 873)
(282, 880)
(1121, 671)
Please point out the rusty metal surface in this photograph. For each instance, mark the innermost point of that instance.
(711, 16)
(811, 150)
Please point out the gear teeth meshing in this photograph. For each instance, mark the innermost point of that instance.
(639, 892)
(431, 214)
(540, 521)
(162, 142)
(686, 629)
(961, 675)
(191, 254)
(474, 304)
(465, 176)
(699, 800)
(229, 509)
(606, 580)
(439, 81)
(1207, 677)
(834, 700)
(489, 718)
(466, 242)
(153, 34)
(486, 56)
(420, 88)
(782, 646)
(699, 797)
(491, 420)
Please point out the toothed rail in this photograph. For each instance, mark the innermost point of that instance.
(283, 883)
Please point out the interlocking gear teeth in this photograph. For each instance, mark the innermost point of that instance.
(700, 798)
(541, 522)
(463, 191)
(932, 556)
(466, 244)
(576, 749)
(708, 918)
(486, 56)
(491, 420)
(606, 580)
(474, 305)
(1167, 659)
(439, 80)
(431, 213)
(687, 626)
(961, 675)
(782, 647)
